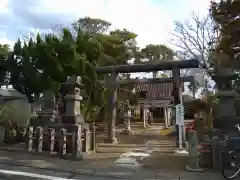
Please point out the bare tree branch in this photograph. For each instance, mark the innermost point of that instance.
(196, 38)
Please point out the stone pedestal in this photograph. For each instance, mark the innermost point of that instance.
(72, 110)
(226, 113)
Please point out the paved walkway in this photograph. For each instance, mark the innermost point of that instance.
(141, 156)
(94, 169)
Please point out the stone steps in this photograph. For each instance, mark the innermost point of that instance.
(151, 159)
(138, 156)
(123, 150)
(170, 161)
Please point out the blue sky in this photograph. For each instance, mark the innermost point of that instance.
(152, 20)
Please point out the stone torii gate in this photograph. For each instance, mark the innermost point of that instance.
(175, 66)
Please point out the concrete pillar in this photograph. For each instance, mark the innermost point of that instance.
(165, 118)
(147, 115)
(144, 117)
(169, 114)
(127, 119)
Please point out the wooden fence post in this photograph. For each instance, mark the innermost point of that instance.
(63, 142)
(30, 139)
(77, 143)
(51, 137)
(39, 138)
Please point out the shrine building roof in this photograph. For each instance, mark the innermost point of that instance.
(155, 91)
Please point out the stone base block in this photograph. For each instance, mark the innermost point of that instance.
(111, 140)
(127, 132)
(72, 119)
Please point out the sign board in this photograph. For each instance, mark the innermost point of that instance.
(179, 114)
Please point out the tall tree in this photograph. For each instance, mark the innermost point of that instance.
(116, 46)
(93, 25)
(155, 53)
(4, 52)
(46, 63)
(23, 70)
(226, 15)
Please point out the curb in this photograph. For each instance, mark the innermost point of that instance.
(88, 171)
(73, 173)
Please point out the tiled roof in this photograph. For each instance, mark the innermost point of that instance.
(156, 91)
(11, 94)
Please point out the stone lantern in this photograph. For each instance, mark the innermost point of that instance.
(226, 114)
(72, 101)
(127, 118)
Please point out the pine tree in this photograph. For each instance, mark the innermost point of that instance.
(226, 15)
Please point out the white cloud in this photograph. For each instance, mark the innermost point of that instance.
(6, 41)
(3, 6)
(151, 20)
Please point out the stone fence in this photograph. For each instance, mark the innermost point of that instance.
(211, 153)
(213, 147)
(66, 141)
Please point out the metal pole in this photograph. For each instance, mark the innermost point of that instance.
(182, 110)
(181, 132)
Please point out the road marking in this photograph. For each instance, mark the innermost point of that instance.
(26, 174)
(132, 158)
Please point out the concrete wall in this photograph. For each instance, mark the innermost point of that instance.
(20, 109)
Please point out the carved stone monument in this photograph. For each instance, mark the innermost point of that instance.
(48, 114)
(193, 159)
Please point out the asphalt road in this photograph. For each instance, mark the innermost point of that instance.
(12, 172)
(17, 175)
(8, 172)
